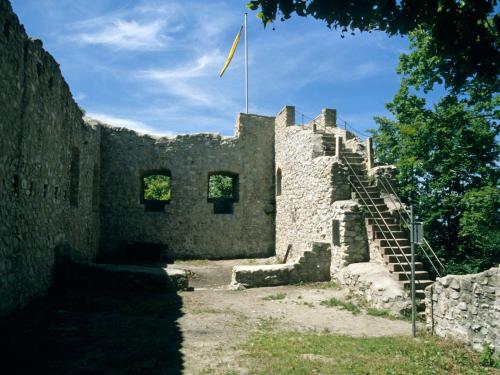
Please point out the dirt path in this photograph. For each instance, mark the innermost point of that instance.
(216, 321)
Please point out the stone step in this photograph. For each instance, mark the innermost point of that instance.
(376, 201)
(399, 267)
(360, 179)
(402, 276)
(378, 234)
(362, 195)
(386, 215)
(400, 259)
(377, 208)
(354, 159)
(357, 166)
(382, 223)
(391, 227)
(420, 285)
(420, 295)
(350, 153)
(394, 250)
(390, 242)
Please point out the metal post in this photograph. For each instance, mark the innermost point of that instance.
(246, 65)
(412, 243)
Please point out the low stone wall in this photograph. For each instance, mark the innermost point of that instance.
(466, 308)
(372, 283)
(313, 265)
(92, 276)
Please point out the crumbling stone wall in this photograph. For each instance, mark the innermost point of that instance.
(309, 183)
(47, 156)
(312, 265)
(349, 239)
(188, 225)
(466, 307)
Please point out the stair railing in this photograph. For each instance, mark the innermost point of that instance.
(375, 219)
(397, 200)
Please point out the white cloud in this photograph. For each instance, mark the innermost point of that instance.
(195, 82)
(128, 35)
(135, 125)
(203, 65)
(80, 96)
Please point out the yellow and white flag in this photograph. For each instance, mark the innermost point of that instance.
(231, 52)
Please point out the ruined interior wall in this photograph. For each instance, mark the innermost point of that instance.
(188, 225)
(466, 308)
(309, 186)
(39, 126)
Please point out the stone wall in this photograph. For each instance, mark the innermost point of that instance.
(312, 265)
(372, 284)
(466, 308)
(349, 239)
(308, 183)
(188, 226)
(49, 168)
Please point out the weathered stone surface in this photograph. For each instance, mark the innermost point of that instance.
(352, 246)
(311, 180)
(313, 265)
(126, 277)
(371, 282)
(466, 307)
(44, 202)
(188, 225)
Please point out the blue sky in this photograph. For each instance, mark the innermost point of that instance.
(152, 65)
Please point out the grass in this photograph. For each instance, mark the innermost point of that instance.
(294, 353)
(275, 297)
(379, 313)
(325, 285)
(344, 305)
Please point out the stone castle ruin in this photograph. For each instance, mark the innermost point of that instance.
(309, 194)
(75, 185)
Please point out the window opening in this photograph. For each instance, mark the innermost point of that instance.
(156, 191)
(223, 191)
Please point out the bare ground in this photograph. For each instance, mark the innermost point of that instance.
(192, 332)
(216, 320)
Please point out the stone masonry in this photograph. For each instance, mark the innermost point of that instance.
(187, 225)
(73, 187)
(466, 307)
(49, 168)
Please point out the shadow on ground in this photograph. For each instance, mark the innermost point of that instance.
(95, 332)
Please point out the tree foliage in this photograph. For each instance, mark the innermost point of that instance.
(464, 34)
(157, 188)
(448, 160)
(220, 186)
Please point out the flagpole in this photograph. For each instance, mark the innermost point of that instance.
(246, 66)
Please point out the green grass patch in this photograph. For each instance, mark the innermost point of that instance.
(294, 353)
(325, 285)
(274, 297)
(379, 313)
(344, 305)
